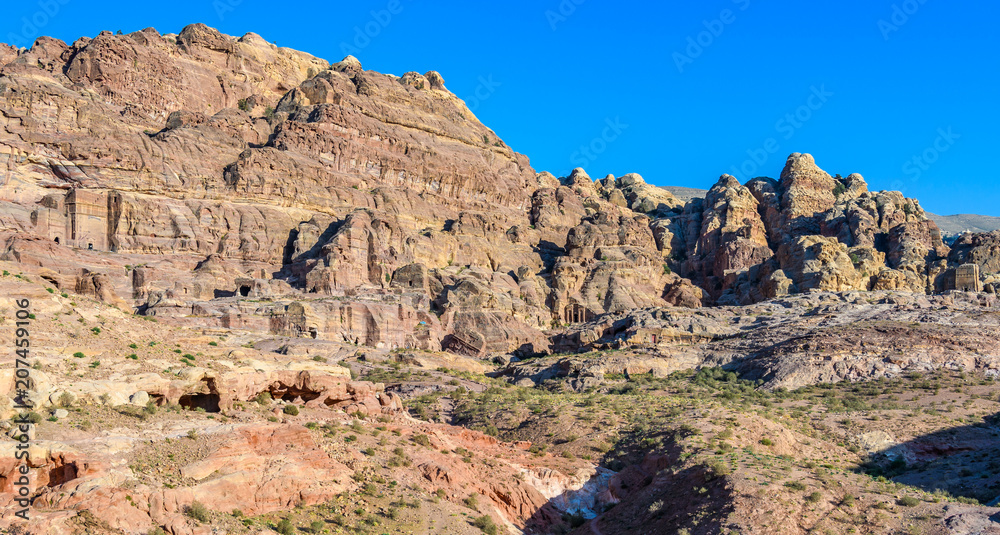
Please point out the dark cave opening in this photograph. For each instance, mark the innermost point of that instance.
(208, 402)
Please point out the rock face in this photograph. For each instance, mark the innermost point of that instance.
(256, 469)
(231, 172)
(807, 191)
(980, 249)
(793, 341)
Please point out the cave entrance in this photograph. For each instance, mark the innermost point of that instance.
(61, 474)
(57, 240)
(245, 291)
(313, 333)
(208, 402)
(90, 247)
(291, 393)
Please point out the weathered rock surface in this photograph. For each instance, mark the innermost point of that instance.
(793, 341)
(243, 170)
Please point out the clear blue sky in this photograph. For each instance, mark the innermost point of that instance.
(623, 80)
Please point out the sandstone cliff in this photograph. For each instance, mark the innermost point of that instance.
(228, 168)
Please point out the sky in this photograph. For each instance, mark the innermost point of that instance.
(902, 91)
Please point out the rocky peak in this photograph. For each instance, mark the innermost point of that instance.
(349, 66)
(807, 190)
(436, 80)
(195, 36)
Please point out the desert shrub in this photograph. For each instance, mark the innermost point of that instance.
(79, 355)
(718, 469)
(815, 497)
(423, 440)
(33, 417)
(291, 410)
(264, 398)
(795, 485)
(486, 525)
(908, 501)
(66, 399)
(197, 511)
(285, 527)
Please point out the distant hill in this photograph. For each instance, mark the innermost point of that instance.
(685, 194)
(956, 224)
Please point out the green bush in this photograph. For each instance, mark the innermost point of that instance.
(795, 485)
(908, 501)
(423, 440)
(285, 527)
(197, 511)
(291, 410)
(34, 417)
(486, 525)
(814, 497)
(79, 355)
(316, 526)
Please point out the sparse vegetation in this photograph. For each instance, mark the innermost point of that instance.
(197, 511)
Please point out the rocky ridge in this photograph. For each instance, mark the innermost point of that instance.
(251, 226)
